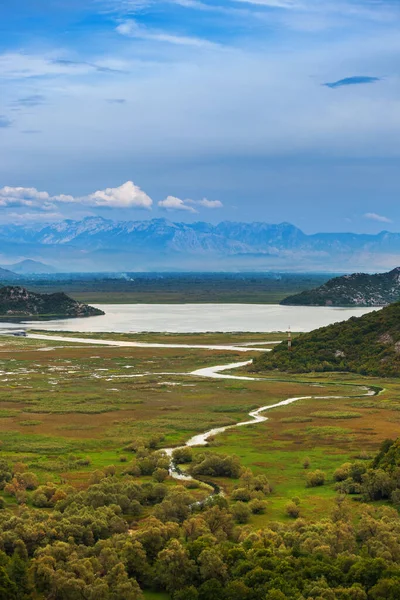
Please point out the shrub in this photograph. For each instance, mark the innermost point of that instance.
(292, 509)
(306, 463)
(258, 507)
(83, 462)
(160, 475)
(315, 478)
(28, 480)
(133, 469)
(348, 486)
(342, 472)
(217, 465)
(241, 494)
(39, 500)
(183, 455)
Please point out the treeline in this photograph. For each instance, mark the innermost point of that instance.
(121, 536)
(368, 345)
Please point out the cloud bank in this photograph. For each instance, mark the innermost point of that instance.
(127, 195)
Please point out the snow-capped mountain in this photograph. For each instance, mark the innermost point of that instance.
(102, 244)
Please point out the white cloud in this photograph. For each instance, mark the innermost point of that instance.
(376, 217)
(127, 195)
(208, 203)
(132, 29)
(19, 196)
(173, 203)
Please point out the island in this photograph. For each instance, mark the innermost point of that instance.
(16, 301)
(358, 289)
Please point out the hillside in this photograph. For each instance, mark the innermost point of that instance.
(16, 301)
(359, 289)
(368, 345)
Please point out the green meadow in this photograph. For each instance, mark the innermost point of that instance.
(67, 409)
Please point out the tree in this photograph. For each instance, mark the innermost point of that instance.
(8, 589)
(212, 566)
(241, 512)
(18, 573)
(174, 569)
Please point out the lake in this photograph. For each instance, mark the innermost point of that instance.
(197, 318)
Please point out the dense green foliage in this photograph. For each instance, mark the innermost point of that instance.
(369, 345)
(120, 537)
(359, 289)
(17, 301)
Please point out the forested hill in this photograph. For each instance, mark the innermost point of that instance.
(16, 301)
(368, 345)
(359, 289)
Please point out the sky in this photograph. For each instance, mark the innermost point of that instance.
(242, 110)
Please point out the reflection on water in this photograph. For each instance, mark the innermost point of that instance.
(196, 318)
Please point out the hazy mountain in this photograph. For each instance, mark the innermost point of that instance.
(16, 301)
(359, 289)
(28, 267)
(6, 275)
(100, 244)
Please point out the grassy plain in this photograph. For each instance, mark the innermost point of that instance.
(61, 402)
(176, 288)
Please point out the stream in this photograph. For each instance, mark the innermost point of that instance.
(202, 439)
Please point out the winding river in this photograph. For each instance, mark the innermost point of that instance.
(256, 415)
(215, 372)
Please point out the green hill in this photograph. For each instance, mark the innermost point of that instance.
(368, 345)
(359, 289)
(16, 301)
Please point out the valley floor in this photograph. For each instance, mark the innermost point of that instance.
(69, 406)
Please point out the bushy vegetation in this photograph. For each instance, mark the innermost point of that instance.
(216, 465)
(379, 480)
(369, 345)
(120, 537)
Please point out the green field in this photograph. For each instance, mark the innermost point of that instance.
(63, 402)
(89, 510)
(175, 288)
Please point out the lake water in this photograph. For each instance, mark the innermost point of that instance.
(197, 318)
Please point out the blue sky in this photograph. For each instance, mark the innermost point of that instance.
(269, 110)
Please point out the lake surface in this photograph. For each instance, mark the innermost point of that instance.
(197, 318)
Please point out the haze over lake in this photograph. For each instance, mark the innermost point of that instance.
(197, 318)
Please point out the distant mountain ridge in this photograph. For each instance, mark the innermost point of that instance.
(358, 289)
(28, 267)
(16, 301)
(95, 241)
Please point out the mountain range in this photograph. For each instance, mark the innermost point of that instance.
(95, 243)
